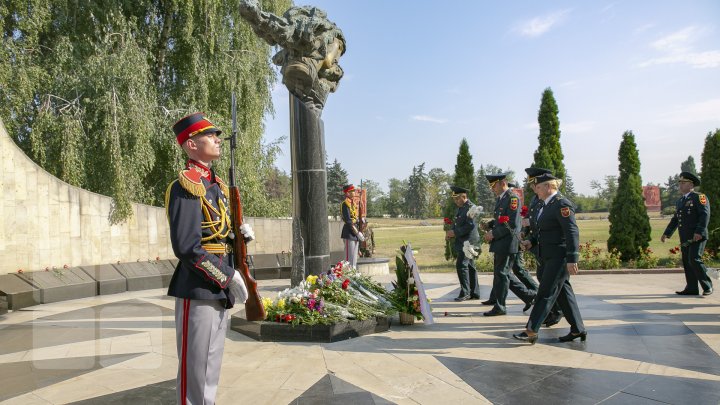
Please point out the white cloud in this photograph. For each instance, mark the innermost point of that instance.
(428, 118)
(577, 127)
(532, 125)
(540, 25)
(704, 111)
(678, 47)
(643, 28)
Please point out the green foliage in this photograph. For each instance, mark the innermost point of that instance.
(416, 199)
(337, 177)
(464, 177)
(549, 153)
(394, 201)
(710, 185)
(629, 221)
(486, 197)
(438, 188)
(375, 207)
(91, 89)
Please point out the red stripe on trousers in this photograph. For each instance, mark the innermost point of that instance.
(183, 369)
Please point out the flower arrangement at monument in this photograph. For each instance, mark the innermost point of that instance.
(406, 293)
(339, 294)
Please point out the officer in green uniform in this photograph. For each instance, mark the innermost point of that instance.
(558, 242)
(530, 230)
(464, 229)
(692, 215)
(503, 236)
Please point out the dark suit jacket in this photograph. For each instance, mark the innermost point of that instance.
(531, 230)
(348, 221)
(557, 233)
(692, 216)
(464, 227)
(504, 235)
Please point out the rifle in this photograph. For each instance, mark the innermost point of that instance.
(254, 310)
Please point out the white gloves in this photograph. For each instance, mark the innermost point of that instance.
(238, 289)
(247, 232)
(469, 250)
(361, 237)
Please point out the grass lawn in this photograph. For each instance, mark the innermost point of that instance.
(427, 238)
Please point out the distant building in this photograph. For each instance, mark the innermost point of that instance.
(652, 198)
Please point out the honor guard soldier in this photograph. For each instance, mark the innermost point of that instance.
(464, 229)
(205, 284)
(503, 235)
(350, 234)
(558, 242)
(692, 215)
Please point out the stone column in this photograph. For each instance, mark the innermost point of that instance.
(307, 145)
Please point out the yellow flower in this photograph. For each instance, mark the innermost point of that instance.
(311, 279)
(267, 303)
(281, 304)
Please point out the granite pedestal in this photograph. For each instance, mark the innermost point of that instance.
(61, 284)
(107, 279)
(285, 332)
(17, 292)
(141, 275)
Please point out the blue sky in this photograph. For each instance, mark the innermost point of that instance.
(422, 75)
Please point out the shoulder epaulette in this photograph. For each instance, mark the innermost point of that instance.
(191, 180)
(223, 187)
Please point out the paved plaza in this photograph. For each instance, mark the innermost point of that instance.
(646, 345)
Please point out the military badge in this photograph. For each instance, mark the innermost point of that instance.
(703, 199)
(565, 211)
(513, 203)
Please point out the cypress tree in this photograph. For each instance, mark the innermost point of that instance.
(710, 186)
(464, 177)
(486, 197)
(629, 222)
(549, 152)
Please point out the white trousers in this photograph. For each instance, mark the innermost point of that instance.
(200, 326)
(351, 252)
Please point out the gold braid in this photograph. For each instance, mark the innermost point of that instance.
(220, 228)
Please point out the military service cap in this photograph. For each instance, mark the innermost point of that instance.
(544, 177)
(494, 178)
(687, 176)
(191, 125)
(348, 188)
(456, 191)
(533, 172)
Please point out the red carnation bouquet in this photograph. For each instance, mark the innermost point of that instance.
(524, 211)
(449, 251)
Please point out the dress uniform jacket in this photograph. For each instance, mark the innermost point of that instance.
(692, 215)
(531, 230)
(503, 240)
(350, 218)
(464, 227)
(557, 233)
(200, 232)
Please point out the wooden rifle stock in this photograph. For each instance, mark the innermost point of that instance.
(254, 310)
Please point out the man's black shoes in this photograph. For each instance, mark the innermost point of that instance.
(488, 302)
(683, 292)
(462, 298)
(494, 312)
(708, 291)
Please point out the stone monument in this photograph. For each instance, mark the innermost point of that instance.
(652, 198)
(308, 59)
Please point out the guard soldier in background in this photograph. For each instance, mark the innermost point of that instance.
(692, 215)
(205, 283)
(350, 234)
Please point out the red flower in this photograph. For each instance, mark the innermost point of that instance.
(345, 284)
(447, 221)
(20, 271)
(524, 211)
(503, 219)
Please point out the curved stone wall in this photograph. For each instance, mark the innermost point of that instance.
(45, 222)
